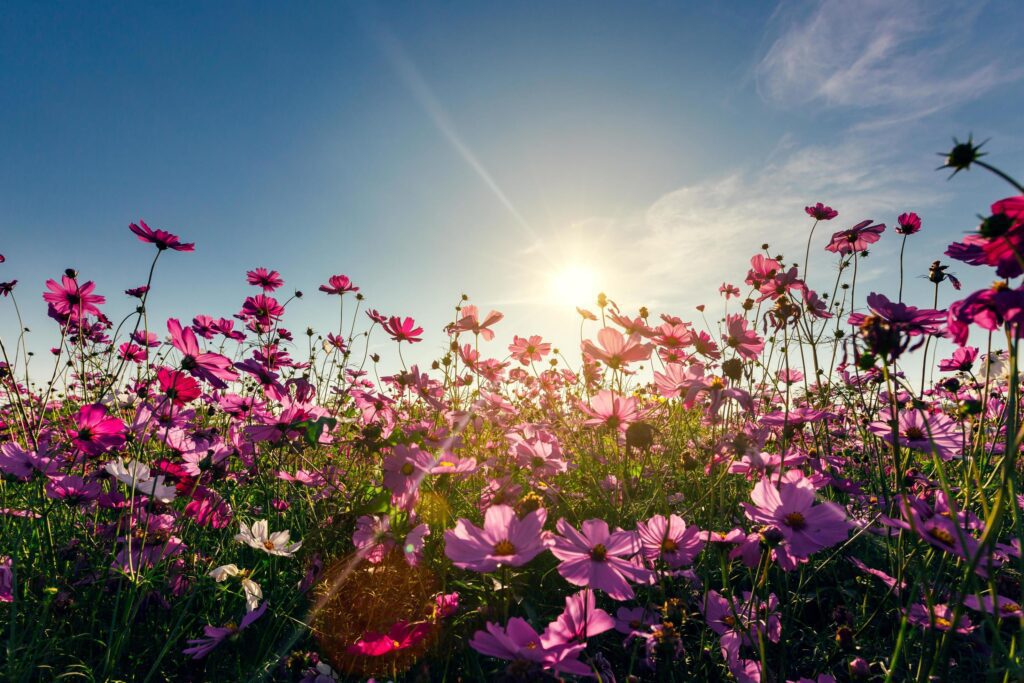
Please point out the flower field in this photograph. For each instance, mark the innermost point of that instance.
(796, 485)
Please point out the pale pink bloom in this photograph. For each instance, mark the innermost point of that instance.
(616, 350)
(599, 558)
(504, 540)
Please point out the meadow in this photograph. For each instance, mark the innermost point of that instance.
(793, 486)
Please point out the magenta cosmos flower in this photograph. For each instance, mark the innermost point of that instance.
(908, 223)
(820, 212)
(789, 507)
(670, 540)
(402, 635)
(580, 620)
(338, 284)
(213, 367)
(161, 238)
(504, 540)
(598, 558)
(178, 387)
(215, 635)
(403, 330)
(71, 299)
(856, 238)
(95, 432)
(998, 242)
(267, 280)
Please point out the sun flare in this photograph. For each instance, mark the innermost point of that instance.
(574, 284)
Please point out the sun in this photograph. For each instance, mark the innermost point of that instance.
(574, 284)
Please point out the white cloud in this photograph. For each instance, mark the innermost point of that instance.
(905, 59)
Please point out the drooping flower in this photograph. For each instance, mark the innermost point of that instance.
(504, 540)
(599, 558)
(962, 360)
(215, 635)
(161, 238)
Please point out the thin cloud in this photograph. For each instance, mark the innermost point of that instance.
(905, 59)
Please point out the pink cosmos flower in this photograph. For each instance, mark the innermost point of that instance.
(990, 309)
(669, 540)
(740, 337)
(263, 309)
(962, 360)
(212, 367)
(20, 463)
(616, 350)
(470, 322)
(922, 431)
(268, 280)
(215, 635)
(856, 238)
(789, 507)
(338, 284)
(999, 242)
(611, 410)
(72, 300)
(529, 350)
(404, 468)
(908, 223)
(939, 617)
(729, 291)
(504, 540)
(581, 619)
(820, 212)
(401, 636)
(72, 489)
(403, 330)
(95, 432)
(131, 352)
(518, 641)
(372, 538)
(599, 558)
(161, 238)
(997, 605)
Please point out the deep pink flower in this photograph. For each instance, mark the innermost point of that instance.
(403, 330)
(401, 636)
(504, 540)
(338, 284)
(729, 291)
(856, 238)
(989, 309)
(962, 360)
(212, 367)
(939, 617)
(789, 507)
(178, 387)
(599, 558)
(72, 300)
(72, 489)
(131, 352)
(820, 212)
(908, 223)
(95, 432)
(268, 280)
(161, 238)
(670, 540)
(6, 580)
(999, 242)
(263, 309)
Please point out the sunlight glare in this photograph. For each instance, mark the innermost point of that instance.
(574, 284)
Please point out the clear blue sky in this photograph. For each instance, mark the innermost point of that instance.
(430, 149)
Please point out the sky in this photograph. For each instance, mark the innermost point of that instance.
(521, 153)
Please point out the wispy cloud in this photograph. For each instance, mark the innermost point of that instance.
(903, 59)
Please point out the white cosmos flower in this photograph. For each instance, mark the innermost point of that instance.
(156, 489)
(223, 572)
(259, 537)
(253, 594)
(129, 472)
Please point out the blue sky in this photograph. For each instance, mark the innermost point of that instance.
(431, 149)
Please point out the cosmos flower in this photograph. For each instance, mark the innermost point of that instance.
(215, 635)
(338, 284)
(403, 330)
(518, 641)
(820, 212)
(95, 432)
(789, 507)
(669, 540)
(268, 280)
(856, 238)
(610, 410)
(72, 300)
(616, 350)
(908, 223)
(581, 619)
(257, 536)
(161, 238)
(529, 350)
(599, 558)
(504, 540)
